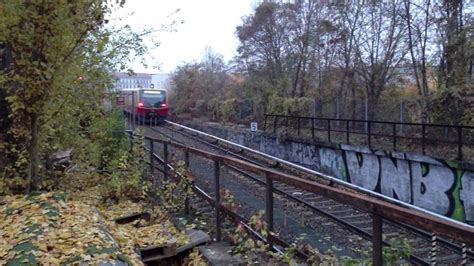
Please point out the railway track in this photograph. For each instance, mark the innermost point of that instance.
(302, 211)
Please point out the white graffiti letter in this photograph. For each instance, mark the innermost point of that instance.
(331, 162)
(395, 179)
(467, 195)
(430, 184)
(363, 169)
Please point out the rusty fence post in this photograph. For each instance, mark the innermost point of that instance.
(133, 111)
(347, 132)
(127, 117)
(460, 155)
(130, 133)
(377, 258)
(265, 123)
(369, 133)
(269, 206)
(186, 163)
(329, 130)
(299, 125)
(218, 199)
(423, 138)
(165, 160)
(394, 135)
(152, 161)
(275, 122)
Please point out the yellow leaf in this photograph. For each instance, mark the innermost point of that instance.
(42, 247)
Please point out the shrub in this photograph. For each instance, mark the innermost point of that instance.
(228, 110)
(213, 108)
(291, 106)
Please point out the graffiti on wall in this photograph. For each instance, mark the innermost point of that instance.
(436, 185)
(441, 186)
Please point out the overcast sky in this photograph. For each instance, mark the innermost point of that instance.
(206, 23)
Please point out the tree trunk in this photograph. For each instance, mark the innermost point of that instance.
(33, 156)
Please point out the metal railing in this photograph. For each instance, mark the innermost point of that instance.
(423, 134)
(377, 208)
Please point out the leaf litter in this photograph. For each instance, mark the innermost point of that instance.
(50, 229)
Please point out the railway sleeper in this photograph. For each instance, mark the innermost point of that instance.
(361, 223)
(341, 212)
(340, 209)
(333, 207)
(449, 258)
(422, 251)
(329, 202)
(312, 197)
(354, 216)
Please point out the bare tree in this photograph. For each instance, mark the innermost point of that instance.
(454, 62)
(419, 23)
(348, 19)
(262, 41)
(379, 51)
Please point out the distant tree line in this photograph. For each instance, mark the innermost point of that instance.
(295, 56)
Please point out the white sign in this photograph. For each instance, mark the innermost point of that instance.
(253, 126)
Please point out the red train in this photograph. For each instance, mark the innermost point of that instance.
(147, 105)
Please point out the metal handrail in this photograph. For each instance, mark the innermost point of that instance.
(373, 121)
(369, 126)
(332, 180)
(378, 208)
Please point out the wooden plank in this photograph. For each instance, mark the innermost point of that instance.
(132, 217)
(196, 238)
(154, 253)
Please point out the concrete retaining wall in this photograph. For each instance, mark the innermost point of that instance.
(442, 186)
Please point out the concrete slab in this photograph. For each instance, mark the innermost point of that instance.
(218, 254)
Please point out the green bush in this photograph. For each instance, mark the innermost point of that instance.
(228, 110)
(449, 106)
(114, 139)
(213, 108)
(290, 106)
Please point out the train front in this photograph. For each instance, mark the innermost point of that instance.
(152, 105)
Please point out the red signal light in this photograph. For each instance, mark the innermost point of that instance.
(163, 105)
(140, 104)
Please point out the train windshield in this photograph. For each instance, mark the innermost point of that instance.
(152, 98)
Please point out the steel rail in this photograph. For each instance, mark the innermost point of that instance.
(281, 192)
(234, 216)
(329, 178)
(209, 144)
(387, 210)
(451, 246)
